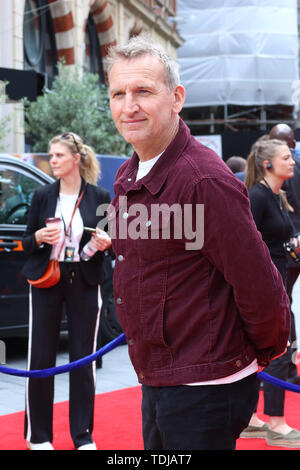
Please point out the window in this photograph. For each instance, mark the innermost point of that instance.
(39, 38)
(16, 191)
(92, 60)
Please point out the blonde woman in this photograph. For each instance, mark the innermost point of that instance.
(270, 164)
(73, 198)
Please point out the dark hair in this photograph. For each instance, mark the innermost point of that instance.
(236, 164)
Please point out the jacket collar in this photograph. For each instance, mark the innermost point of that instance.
(155, 179)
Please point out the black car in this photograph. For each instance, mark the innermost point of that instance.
(18, 181)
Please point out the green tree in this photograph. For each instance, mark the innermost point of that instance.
(3, 131)
(76, 103)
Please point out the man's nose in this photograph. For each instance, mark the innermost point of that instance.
(130, 104)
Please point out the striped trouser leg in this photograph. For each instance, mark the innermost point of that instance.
(45, 307)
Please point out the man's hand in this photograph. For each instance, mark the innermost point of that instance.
(261, 367)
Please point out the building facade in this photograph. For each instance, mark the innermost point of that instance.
(36, 34)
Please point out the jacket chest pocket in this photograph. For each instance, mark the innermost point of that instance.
(145, 231)
(154, 239)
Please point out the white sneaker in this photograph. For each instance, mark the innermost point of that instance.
(40, 446)
(90, 446)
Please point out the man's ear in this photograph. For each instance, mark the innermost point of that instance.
(179, 98)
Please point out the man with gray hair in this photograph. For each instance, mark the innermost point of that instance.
(200, 314)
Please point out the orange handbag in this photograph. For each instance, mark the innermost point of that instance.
(52, 274)
(50, 277)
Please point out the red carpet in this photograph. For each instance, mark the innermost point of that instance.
(118, 423)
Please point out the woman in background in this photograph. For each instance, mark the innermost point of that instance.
(73, 198)
(270, 164)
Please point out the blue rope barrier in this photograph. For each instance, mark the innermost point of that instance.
(66, 368)
(278, 383)
(109, 347)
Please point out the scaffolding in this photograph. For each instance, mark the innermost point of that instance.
(239, 63)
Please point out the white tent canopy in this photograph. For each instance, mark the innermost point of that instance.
(242, 52)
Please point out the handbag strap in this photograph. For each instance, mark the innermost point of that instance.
(73, 213)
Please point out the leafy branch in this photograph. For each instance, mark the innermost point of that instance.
(76, 103)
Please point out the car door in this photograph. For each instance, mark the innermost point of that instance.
(18, 181)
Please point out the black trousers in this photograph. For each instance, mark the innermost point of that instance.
(197, 417)
(274, 397)
(83, 304)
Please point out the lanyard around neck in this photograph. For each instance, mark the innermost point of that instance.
(68, 231)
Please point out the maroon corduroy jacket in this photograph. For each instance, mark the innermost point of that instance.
(200, 311)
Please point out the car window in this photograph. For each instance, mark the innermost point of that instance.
(16, 191)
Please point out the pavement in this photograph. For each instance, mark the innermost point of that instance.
(116, 372)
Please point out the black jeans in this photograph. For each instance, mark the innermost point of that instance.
(197, 417)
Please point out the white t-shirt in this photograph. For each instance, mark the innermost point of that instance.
(145, 167)
(64, 209)
(143, 170)
(249, 370)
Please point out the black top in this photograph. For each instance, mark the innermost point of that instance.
(272, 219)
(43, 205)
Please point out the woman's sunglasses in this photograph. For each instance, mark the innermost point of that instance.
(67, 135)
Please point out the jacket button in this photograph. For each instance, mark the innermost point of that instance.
(119, 301)
(238, 363)
(130, 342)
(120, 258)
(141, 376)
